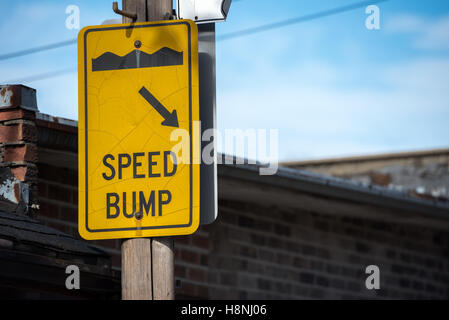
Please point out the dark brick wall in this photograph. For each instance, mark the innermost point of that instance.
(18, 150)
(267, 253)
(58, 197)
(254, 252)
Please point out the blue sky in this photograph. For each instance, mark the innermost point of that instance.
(330, 86)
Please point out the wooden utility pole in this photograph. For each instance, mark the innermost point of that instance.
(148, 263)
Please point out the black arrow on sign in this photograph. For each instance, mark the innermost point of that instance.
(170, 118)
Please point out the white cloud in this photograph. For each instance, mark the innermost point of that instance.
(435, 36)
(409, 111)
(428, 34)
(405, 23)
(421, 77)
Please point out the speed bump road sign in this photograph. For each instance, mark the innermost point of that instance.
(138, 105)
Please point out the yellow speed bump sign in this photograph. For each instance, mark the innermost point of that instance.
(138, 138)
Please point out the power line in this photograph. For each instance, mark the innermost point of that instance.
(227, 36)
(231, 35)
(37, 49)
(296, 20)
(42, 76)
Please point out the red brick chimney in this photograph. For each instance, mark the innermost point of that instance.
(18, 149)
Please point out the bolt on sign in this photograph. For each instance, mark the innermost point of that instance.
(138, 103)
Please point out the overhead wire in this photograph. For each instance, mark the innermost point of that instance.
(223, 37)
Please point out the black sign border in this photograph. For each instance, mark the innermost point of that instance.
(189, 32)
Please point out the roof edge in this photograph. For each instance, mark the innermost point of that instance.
(363, 158)
(312, 183)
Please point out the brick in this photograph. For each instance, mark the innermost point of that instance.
(204, 260)
(418, 285)
(227, 217)
(189, 256)
(299, 262)
(258, 239)
(317, 293)
(306, 277)
(29, 132)
(59, 193)
(73, 231)
(247, 281)
(248, 251)
(266, 255)
(196, 274)
(60, 175)
(322, 281)
(202, 292)
(18, 132)
(317, 265)
(323, 253)
(353, 286)
(42, 189)
(337, 284)
(391, 254)
(177, 253)
(245, 222)
(362, 247)
(281, 287)
(333, 269)
(70, 215)
(283, 259)
(405, 257)
(404, 283)
(16, 113)
(116, 260)
(403, 269)
(263, 284)
(19, 153)
(431, 288)
(213, 278)
(75, 197)
(322, 226)
(25, 173)
(48, 209)
(10, 133)
(243, 295)
(110, 243)
(282, 230)
(57, 226)
(274, 242)
(263, 225)
(430, 263)
(382, 226)
(349, 272)
(228, 278)
(183, 240)
(201, 242)
(187, 289)
(308, 250)
(180, 271)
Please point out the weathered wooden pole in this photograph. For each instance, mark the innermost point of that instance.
(148, 263)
